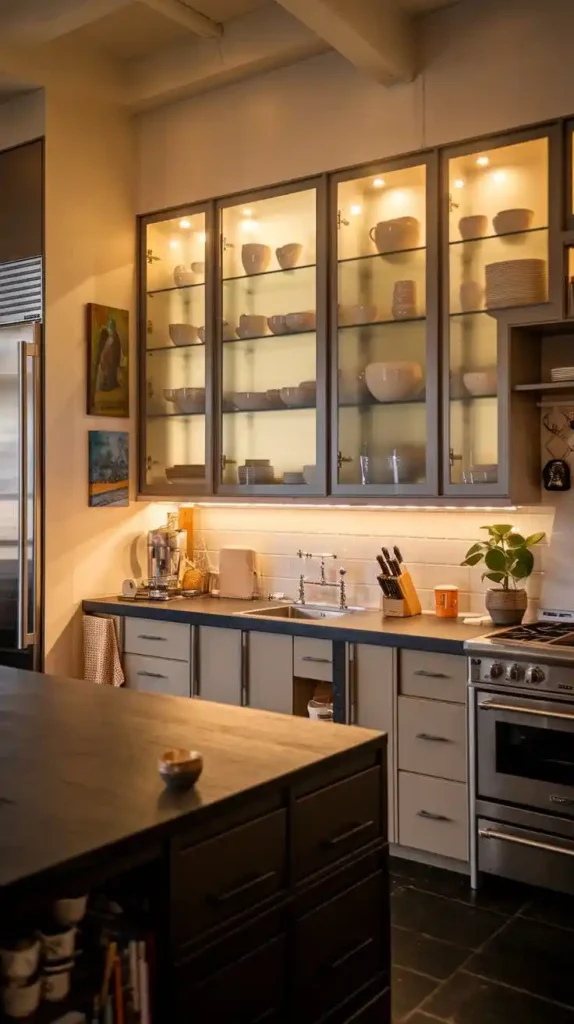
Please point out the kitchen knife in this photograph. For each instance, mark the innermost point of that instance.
(394, 566)
(383, 566)
(384, 585)
(398, 556)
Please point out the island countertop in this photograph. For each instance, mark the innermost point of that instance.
(420, 632)
(79, 765)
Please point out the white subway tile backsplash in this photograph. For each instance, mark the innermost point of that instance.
(433, 544)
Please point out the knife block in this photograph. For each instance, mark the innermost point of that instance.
(410, 603)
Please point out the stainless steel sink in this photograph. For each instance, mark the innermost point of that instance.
(298, 611)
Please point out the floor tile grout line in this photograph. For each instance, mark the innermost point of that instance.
(425, 935)
(420, 974)
(514, 988)
(461, 902)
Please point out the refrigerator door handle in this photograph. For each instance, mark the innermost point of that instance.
(25, 351)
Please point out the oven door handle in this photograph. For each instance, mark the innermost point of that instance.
(490, 833)
(494, 705)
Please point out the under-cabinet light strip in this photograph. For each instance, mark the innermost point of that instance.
(354, 508)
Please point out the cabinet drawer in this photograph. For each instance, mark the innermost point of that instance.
(432, 738)
(251, 989)
(339, 947)
(336, 821)
(157, 675)
(158, 639)
(434, 676)
(433, 815)
(223, 876)
(313, 659)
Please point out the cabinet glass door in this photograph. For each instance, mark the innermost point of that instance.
(174, 331)
(384, 376)
(497, 238)
(270, 318)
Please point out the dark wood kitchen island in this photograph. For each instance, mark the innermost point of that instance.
(266, 885)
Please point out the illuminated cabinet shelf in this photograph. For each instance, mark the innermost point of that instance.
(356, 335)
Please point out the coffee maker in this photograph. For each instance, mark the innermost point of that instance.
(166, 552)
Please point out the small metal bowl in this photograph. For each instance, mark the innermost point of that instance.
(180, 769)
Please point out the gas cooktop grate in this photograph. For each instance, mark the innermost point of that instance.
(536, 633)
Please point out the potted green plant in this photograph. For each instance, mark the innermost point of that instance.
(509, 561)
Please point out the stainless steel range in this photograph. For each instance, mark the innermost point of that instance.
(521, 754)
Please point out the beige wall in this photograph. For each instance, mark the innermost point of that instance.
(488, 65)
(90, 248)
(22, 119)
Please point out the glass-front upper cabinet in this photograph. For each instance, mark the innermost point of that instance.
(384, 316)
(271, 343)
(495, 272)
(174, 326)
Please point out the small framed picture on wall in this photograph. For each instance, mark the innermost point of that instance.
(109, 468)
(108, 360)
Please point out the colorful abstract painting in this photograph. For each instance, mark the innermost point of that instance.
(108, 456)
(108, 361)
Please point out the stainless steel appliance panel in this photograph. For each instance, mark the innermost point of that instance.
(526, 751)
(535, 858)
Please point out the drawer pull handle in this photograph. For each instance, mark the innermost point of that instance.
(149, 636)
(238, 890)
(432, 739)
(350, 832)
(491, 833)
(431, 816)
(431, 675)
(350, 953)
(152, 675)
(318, 661)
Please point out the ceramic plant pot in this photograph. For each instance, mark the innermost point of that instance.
(506, 607)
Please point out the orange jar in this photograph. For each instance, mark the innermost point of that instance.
(446, 602)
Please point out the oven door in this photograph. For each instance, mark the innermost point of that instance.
(525, 752)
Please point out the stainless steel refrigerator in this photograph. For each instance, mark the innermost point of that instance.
(20, 463)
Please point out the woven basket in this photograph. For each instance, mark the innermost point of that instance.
(196, 579)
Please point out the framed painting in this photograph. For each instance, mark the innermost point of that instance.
(108, 461)
(108, 360)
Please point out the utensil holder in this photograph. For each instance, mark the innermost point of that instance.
(407, 606)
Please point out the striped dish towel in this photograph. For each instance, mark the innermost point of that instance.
(101, 654)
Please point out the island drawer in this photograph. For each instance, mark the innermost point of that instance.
(433, 676)
(313, 659)
(432, 738)
(158, 639)
(330, 962)
(157, 675)
(433, 815)
(336, 821)
(221, 877)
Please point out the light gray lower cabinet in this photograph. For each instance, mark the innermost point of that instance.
(372, 703)
(269, 664)
(219, 665)
(157, 675)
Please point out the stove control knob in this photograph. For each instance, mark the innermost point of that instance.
(534, 674)
(514, 672)
(496, 670)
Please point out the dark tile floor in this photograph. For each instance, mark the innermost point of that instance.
(503, 955)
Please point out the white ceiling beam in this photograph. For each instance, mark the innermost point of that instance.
(376, 37)
(31, 22)
(185, 16)
(258, 41)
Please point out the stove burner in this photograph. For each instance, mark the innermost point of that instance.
(537, 633)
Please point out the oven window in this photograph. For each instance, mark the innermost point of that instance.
(545, 755)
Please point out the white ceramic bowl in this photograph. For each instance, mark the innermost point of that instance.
(297, 397)
(393, 382)
(303, 321)
(309, 474)
(183, 334)
(481, 382)
(188, 400)
(249, 400)
(507, 221)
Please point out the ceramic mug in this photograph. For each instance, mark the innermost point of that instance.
(251, 325)
(56, 982)
(20, 961)
(289, 255)
(255, 257)
(21, 1000)
(71, 909)
(446, 601)
(58, 944)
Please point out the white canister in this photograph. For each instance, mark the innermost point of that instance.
(20, 961)
(70, 910)
(56, 983)
(320, 710)
(58, 945)
(21, 1000)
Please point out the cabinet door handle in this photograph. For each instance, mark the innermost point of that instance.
(431, 675)
(239, 890)
(149, 636)
(318, 661)
(152, 675)
(431, 816)
(432, 739)
(350, 953)
(354, 831)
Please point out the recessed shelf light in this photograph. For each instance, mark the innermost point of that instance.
(499, 176)
(185, 224)
(247, 213)
(173, 243)
(355, 210)
(458, 183)
(482, 161)
(378, 183)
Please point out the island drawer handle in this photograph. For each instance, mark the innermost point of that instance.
(431, 675)
(432, 816)
(433, 739)
(318, 661)
(149, 636)
(342, 960)
(238, 890)
(349, 833)
(152, 675)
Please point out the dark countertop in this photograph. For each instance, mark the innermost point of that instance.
(421, 632)
(78, 765)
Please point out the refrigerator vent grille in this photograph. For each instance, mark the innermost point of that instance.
(21, 291)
